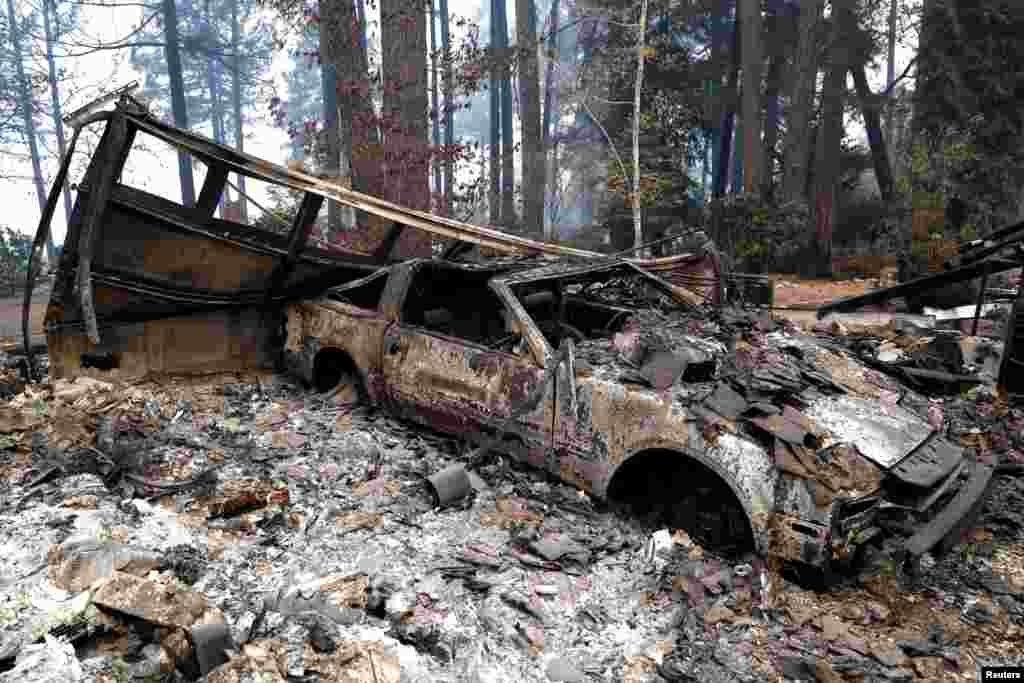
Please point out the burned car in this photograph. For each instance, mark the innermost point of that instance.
(626, 385)
(610, 379)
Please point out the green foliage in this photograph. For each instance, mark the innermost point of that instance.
(16, 247)
(751, 249)
(967, 117)
(969, 65)
(750, 229)
(865, 219)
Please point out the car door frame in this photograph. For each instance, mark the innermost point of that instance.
(502, 378)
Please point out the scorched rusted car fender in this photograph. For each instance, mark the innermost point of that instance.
(744, 465)
(318, 325)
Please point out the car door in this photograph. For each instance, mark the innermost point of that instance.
(442, 368)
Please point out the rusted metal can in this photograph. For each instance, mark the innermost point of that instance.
(450, 485)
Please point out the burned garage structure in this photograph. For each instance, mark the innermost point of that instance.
(751, 435)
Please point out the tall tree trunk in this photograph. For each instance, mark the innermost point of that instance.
(216, 113)
(826, 165)
(27, 109)
(890, 68)
(495, 119)
(508, 177)
(728, 113)
(550, 104)
(805, 76)
(332, 28)
(721, 22)
(869, 104)
(435, 114)
(52, 30)
(752, 68)
(448, 94)
(179, 109)
(405, 104)
(638, 228)
(236, 99)
(773, 86)
(529, 99)
(213, 86)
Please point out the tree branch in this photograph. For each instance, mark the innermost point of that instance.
(611, 145)
(906, 71)
(122, 43)
(113, 5)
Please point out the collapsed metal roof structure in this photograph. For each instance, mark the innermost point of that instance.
(119, 234)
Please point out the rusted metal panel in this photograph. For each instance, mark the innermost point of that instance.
(335, 325)
(101, 184)
(882, 436)
(212, 342)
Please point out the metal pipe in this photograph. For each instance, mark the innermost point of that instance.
(981, 298)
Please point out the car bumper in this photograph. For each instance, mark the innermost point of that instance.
(946, 528)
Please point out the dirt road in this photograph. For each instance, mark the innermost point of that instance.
(10, 313)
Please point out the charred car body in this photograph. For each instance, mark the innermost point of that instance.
(617, 381)
(603, 376)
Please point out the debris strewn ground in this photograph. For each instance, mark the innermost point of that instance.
(243, 528)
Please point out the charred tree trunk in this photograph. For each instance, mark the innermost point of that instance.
(805, 75)
(179, 108)
(529, 99)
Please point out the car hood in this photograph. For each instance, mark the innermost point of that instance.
(795, 387)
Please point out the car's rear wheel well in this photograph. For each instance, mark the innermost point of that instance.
(331, 367)
(674, 489)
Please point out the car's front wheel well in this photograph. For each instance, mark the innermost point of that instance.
(331, 367)
(671, 488)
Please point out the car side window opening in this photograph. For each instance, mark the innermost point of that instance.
(365, 295)
(563, 308)
(458, 303)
